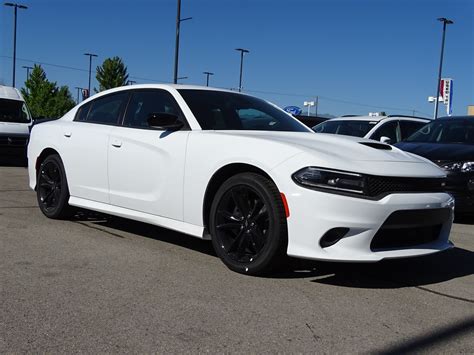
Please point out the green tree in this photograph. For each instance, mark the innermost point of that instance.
(45, 98)
(111, 73)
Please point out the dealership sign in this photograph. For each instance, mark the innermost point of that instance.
(294, 110)
(446, 94)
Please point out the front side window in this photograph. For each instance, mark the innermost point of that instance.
(105, 110)
(143, 103)
(218, 110)
(390, 130)
(355, 128)
(407, 128)
(14, 111)
(445, 131)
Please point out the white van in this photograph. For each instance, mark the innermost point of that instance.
(15, 124)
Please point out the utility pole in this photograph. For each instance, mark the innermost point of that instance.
(445, 22)
(27, 71)
(78, 92)
(207, 76)
(90, 70)
(176, 48)
(242, 51)
(15, 14)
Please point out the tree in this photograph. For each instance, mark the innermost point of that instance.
(45, 98)
(111, 73)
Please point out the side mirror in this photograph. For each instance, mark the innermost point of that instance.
(165, 121)
(385, 140)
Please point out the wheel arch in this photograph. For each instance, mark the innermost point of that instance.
(218, 178)
(46, 152)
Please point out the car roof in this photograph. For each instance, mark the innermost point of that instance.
(377, 118)
(450, 118)
(10, 93)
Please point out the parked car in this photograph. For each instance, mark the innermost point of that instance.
(310, 121)
(387, 129)
(449, 142)
(240, 171)
(15, 122)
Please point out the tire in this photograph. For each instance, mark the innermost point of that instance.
(248, 224)
(52, 190)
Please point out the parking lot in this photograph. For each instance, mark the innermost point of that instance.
(105, 284)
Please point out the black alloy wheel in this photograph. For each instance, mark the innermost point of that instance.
(248, 224)
(52, 189)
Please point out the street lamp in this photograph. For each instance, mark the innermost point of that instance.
(207, 73)
(131, 82)
(27, 71)
(181, 78)
(90, 70)
(445, 22)
(176, 48)
(78, 92)
(16, 7)
(242, 51)
(309, 104)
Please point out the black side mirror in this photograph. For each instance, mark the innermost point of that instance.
(163, 120)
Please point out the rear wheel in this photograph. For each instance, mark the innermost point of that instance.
(52, 190)
(248, 224)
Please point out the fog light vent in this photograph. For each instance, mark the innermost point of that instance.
(332, 236)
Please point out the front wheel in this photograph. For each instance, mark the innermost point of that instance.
(52, 190)
(248, 224)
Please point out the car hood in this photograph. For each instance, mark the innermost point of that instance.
(344, 153)
(440, 152)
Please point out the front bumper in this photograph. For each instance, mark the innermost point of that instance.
(314, 213)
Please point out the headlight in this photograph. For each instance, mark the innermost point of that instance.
(463, 167)
(330, 179)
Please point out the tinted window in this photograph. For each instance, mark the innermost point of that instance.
(347, 128)
(407, 128)
(14, 111)
(105, 109)
(445, 131)
(83, 112)
(143, 103)
(217, 110)
(390, 130)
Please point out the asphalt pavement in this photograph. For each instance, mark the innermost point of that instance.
(104, 284)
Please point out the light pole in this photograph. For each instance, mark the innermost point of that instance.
(207, 73)
(27, 71)
(445, 22)
(181, 78)
(78, 92)
(131, 82)
(309, 104)
(176, 48)
(90, 70)
(16, 7)
(242, 51)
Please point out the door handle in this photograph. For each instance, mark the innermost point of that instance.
(116, 143)
(67, 134)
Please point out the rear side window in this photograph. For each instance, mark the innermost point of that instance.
(105, 110)
(145, 102)
(409, 127)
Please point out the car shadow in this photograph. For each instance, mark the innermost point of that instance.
(464, 219)
(13, 162)
(115, 225)
(397, 273)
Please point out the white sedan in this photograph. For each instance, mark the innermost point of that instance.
(236, 169)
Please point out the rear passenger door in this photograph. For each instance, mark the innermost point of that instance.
(86, 143)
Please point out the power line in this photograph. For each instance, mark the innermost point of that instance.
(252, 91)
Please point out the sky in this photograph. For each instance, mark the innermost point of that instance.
(357, 56)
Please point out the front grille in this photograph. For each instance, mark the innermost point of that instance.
(408, 228)
(13, 141)
(383, 185)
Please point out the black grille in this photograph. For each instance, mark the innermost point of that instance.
(13, 141)
(409, 228)
(382, 185)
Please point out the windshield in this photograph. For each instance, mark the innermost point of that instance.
(353, 128)
(445, 131)
(14, 111)
(218, 110)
